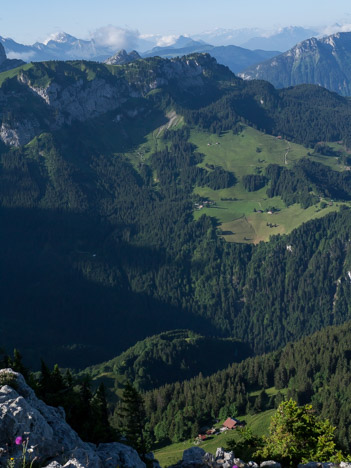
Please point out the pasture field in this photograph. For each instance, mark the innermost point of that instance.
(243, 216)
(172, 453)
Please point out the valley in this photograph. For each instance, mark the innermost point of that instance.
(170, 225)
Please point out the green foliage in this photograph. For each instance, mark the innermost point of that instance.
(8, 379)
(253, 182)
(169, 357)
(297, 435)
(131, 419)
(246, 445)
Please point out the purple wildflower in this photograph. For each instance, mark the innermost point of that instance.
(18, 440)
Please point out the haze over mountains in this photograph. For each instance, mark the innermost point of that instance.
(106, 42)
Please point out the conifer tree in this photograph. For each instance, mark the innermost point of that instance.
(102, 431)
(132, 418)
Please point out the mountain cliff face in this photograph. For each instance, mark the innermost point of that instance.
(325, 62)
(57, 93)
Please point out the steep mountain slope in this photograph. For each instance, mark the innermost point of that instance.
(102, 248)
(325, 62)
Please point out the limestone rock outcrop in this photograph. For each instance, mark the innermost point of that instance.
(122, 57)
(49, 436)
(60, 101)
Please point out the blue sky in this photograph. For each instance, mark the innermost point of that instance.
(28, 21)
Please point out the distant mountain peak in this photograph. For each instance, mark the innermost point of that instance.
(60, 37)
(324, 61)
(122, 57)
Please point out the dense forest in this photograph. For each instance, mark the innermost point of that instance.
(101, 248)
(93, 238)
(315, 369)
(168, 357)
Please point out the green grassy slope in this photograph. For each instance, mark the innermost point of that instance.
(248, 152)
(172, 453)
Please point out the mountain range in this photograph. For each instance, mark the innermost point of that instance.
(325, 62)
(63, 46)
(235, 58)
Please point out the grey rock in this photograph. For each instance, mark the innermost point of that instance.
(86, 99)
(193, 456)
(252, 464)
(238, 462)
(345, 465)
(122, 57)
(76, 464)
(270, 464)
(115, 454)
(19, 133)
(308, 465)
(220, 452)
(50, 437)
(229, 456)
(54, 464)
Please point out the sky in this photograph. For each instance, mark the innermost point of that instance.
(28, 21)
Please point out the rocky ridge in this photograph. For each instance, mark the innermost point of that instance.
(325, 62)
(49, 437)
(80, 98)
(122, 57)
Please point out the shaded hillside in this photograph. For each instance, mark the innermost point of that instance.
(169, 357)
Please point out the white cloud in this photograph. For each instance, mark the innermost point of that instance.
(165, 41)
(116, 38)
(335, 28)
(25, 56)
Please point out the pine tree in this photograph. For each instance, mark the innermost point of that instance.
(102, 431)
(132, 418)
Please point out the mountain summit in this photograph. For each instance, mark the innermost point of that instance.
(122, 57)
(325, 62)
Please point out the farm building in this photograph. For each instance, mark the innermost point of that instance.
(231, 423)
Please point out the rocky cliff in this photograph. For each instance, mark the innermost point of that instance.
(48, 95)
(27, 421)
(325, 62)
(122, 57)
